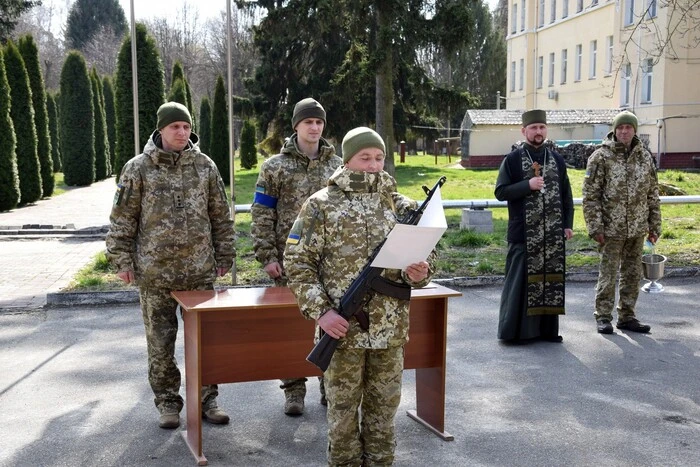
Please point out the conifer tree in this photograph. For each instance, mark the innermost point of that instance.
(22, 114)
(204, 132)
(249, 155)
(178, 93)
(30, 55)
(219, 145)
(77, 122)
(110, 117)
(9, 178)
(151, 93)
(52, 111)
(102, 168)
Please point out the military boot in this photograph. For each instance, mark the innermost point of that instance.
(293, 403)
(322, 388)
(169, 420)
(213, 414)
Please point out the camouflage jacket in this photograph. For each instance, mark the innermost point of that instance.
(621, 191)
(330, 242)
(170, 222)
(285, 181)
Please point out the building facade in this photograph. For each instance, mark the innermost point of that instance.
(611, 55)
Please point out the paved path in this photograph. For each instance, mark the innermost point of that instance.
(34, 265)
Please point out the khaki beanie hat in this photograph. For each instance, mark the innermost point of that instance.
(307, 108)
(534, 116)
(625, 117)
(360, 138)
(172, 112)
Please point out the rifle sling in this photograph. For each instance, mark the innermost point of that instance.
(386, 287)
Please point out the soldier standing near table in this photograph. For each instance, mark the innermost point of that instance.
(171, 230)
(285, 181)
(621, 206)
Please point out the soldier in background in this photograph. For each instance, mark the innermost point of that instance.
(534, 181)
(336, 232)
(285, 181)
(621, 206)
(171, 230)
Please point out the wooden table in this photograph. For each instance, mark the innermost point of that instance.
(253, 334)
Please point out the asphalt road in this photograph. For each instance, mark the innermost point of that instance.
(73, 392)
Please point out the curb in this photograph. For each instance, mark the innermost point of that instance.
(66, 299)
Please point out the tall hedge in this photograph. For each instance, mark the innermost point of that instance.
(9, 178)
(178, 93)
(52, 112)
(151, 93)
(110, 118)
(219, 145)
(30, 55)
(22, 114)
(102, 167)
(249, 154)
(179, 73)
(77, 122)
(204, 132)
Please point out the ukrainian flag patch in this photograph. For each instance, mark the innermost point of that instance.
(295, 232)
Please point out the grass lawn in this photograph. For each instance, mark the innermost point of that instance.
(462, 253)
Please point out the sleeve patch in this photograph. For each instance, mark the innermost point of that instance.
(264, 200)
(119, 195)
(260, 189)
(295, 232)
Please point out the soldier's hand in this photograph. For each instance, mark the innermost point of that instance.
(220, 272)
(417, 271)
(126, 276)
(599, 238)
(333, 324)
(653, 238)
(274, 270)
(568, 233)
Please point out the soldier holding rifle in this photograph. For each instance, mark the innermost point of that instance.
(335, 233)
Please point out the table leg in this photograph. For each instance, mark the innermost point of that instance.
(193, 386)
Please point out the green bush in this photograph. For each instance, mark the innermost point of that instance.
(77, 122)
(219, 144)
(22, 114)
(9, 178)
(249, 154)
(204, 132)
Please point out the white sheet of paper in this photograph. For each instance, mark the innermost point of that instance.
(408, 244)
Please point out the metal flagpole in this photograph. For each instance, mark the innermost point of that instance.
(135, 81)
(231, 138)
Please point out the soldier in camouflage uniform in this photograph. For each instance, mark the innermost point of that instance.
(170, 230)
(285, 181)
(621, 207)
(336, 232)
(534, 181)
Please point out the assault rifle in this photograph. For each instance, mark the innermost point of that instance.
(358, 294)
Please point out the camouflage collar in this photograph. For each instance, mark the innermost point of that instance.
(362, 182)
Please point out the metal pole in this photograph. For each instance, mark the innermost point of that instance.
(231, 138)
(135, 82)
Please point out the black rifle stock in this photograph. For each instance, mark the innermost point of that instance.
(357, 295)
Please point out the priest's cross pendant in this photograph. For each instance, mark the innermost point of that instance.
(536, 167)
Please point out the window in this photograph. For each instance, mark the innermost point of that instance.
(551, 69)
(593, 61)
(579, 6)
(577, 64)
(651, 9)
(629, 12)
(512, 77)
(514, 19)
(564, 54)
(522, 74)
(625, 85)
(647, 69)
(565, 9)
(540, 16)
(608, 55)
(522, 15)
(553, 15)
(540, 70)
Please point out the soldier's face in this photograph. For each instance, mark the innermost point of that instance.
(310, 130)
(535, 133)
(175, 136)
(624, 133)
(367, 160)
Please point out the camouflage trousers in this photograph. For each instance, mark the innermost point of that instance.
(623, 256)
(159, 311)
(363, 388)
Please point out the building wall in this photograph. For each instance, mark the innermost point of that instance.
(669, 115)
